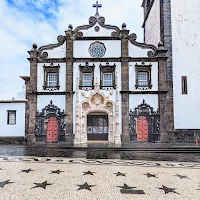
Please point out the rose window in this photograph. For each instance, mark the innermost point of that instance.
(97, 49)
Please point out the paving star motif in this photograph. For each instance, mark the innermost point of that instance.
(150, 175)
(27, 170)
(167, 190)
(2, 184)
(85, 186)
(181, 177)
(120, 174)
(1, 169)
(56, 172)
(89, 173)
(126, 187)
(42, 185)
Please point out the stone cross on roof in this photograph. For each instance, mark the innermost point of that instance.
(97, 6)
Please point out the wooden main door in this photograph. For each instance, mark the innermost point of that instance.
(142, 129)
(52, 130)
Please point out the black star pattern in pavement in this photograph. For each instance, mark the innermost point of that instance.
(85, 186)
(27, 170)
(181, 177)
(150, 175)
(125, 189)
(167, 190)
(1, 169)
(120, 174)
(60, 160)
(89, 173)
(48, 159)
(2, 184)
(56, 172)
(42, 185)
(35, 159)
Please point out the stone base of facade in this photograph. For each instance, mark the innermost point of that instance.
(12, 140)
(186, 135)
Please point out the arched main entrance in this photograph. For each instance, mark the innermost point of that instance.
(97, 126)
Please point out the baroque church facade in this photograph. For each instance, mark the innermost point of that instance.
(97, 83)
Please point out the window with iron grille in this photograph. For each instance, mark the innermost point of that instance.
(87, 79)
(143, 76)
(86, 76)
(11, 118)
(142, 79)
(52, 79)
(107, 79)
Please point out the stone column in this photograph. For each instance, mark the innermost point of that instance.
(69, 87)
(165, 102)
(32, 104)
(125, 85)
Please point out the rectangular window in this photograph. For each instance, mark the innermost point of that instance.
(142, 79)
(52, 79)
(107, 79)
(11, 117)
(87, 79)
(184, 85)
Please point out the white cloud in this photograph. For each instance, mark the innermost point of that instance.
(25, 24)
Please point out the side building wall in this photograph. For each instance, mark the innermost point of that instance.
(186, 60)
(12, 133)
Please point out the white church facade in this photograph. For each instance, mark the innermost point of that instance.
(97, 83)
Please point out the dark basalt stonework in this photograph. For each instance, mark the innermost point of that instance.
(187, 135)
(12, 140)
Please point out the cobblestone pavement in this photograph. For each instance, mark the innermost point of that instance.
(97, 154)
(57, 178)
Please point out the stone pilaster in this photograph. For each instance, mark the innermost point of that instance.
(125, 85)
(166, 38)
(69, 87)
(32, 97)
(165, 102)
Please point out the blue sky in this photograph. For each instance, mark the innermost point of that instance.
(24, 22)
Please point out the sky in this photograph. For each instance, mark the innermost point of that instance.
(24, 22)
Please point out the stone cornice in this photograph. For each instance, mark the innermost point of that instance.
(145, 92)
(13, 101)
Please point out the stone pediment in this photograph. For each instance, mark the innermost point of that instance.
(97, 23)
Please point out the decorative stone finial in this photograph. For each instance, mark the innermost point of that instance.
(123, 26)
(51, 102)
(161, 45)
(143, 101)
(70, 27)
(34, 46)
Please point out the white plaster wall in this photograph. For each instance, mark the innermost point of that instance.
(96, 78)
(44, 100)
(152, 26)
(154, 76)
(113, 48)
(12, 130)
(40, 77)
(186, 62)
(136, 99)
(135, 51)
(102, 32)
(59, 52)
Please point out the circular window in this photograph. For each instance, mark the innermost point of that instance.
(97, 49)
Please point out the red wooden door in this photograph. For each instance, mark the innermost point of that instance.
(142, 129)
(52, 130)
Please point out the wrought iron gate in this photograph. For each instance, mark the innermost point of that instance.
(153, 119)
